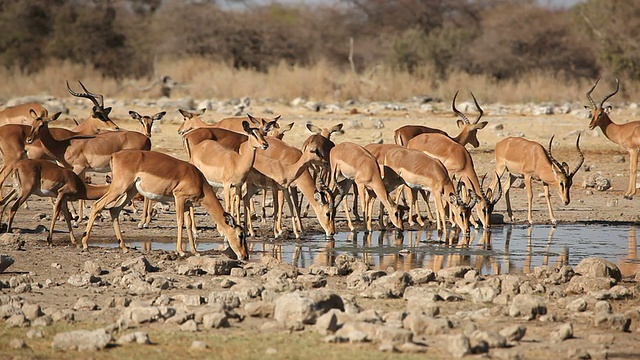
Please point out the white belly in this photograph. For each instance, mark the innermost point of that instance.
(215, 184)
(152, 196)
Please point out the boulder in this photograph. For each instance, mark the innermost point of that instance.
(598, 268)
(82, 340)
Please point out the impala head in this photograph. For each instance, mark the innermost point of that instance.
(467, 126)
(398, 215)
(321, 148)
(564, 177)
(325, 132)
(147, 121)
(462, 202)
(326, 199)
(39, 121)
(98, 112)
(255, 136)
(599, 113)
(269, 127)
(190, 120)
(279, 132)
(236, 237)
(491, 198)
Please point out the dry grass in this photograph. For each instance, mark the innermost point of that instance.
(207, 79)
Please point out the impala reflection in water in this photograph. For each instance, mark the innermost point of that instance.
(506, 249)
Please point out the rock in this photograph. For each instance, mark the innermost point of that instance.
(491, 338)
(12, 241)
(393, 335)
(454, 272)
(22, 288)
(602, 307)
(80, 280)
(620, 292)
(565, 331)
(35, 334)
(484, 294)
(293, 307)
(92, 268)
(189, 326)
(17, 320)
(227, 283)
(17, 344)
(618, 159)
(32, 311)
(422, 306)
(139, 337)
(229, 299)
(357, 332)
(262, 309)
(421, 276)
(348, 264)
(213, 265)
(139, 264)
(425, 325)
(527, 306)
(199, 345)
(5, 262)
(141, 315)
(85, 304)
(577, 305)
(360, 280)
(514, 332)
(459, 345)
(326, 324)
(618, 322)
(189, 300)
(215, 321)
(82, 340)
(598, 268)
(390, 286)
(588, 285)
(238, 272)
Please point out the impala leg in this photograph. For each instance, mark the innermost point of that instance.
(633, 173)
(278, 203)
(251, 190)
(264, 206)
(56, 213)
(295, 215)
(441, 219)
(547, 196)
(356, 194)
(115, 214)
(189, 227)
(529, 189)
(425, 197)
(146, 214)
(180, 209)
(370, 201)
(111, 196)
(507, 198)
(67, 219)
(226, 193)
(192, 222)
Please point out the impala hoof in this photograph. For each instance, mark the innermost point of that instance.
(628, 197)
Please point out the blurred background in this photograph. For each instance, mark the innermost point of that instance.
(503, 50)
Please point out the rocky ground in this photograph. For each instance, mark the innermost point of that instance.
(57, 300)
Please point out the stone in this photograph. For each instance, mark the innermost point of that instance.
(32, 311)
(360, 280)
(22, 288)
(565, 331)
(215, 321)
(326, 324)
(189, 326)
(199, 345)
(454, 272)
(459, 345)
(390, 286)
(227, 298)
(5, 262)
(527, 306)
(588, 285)
(598, 268)
(17, 320)
(425, 325)
(514, 332)
(213, 265)
(422, 306)
(82, 340)
(421, 276)
(348, 264)
(92, 268)
(618, 322)
(238, 272)
(294, 307)
(141, 315)
(189, 300)
(491, 338)
(138, 337)
(84, 303)
(261, 309)
(35, 334)
(139, 264)
(17, 344)
(485, 294)
(577, 305)
(393, 335)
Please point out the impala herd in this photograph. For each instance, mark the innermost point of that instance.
(245, 155)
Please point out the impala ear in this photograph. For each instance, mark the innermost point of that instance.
(284, 129)
(159, 116)
(202, 111)
(185, 114)
(229, 220)
(565, 166)
(254, 120)
(460, 123)
(135, 115)
(55, 116)
(314, 129)
(481, 125)
(337, 129)
(107, 111)
(246, 127)
(608, 109)
(33, 114)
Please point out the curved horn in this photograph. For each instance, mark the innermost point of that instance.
(453, 106)
(459, 186)
(84, 95)
(593, 103)
(482, 193)
(477, 107)
(92, 94)
(496, 199)
(555, 162)
(575, 170)
(610, 95)
(473, 201)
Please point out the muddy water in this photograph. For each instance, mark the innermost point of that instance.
(506, 249)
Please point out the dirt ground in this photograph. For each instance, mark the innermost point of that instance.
(362, 126)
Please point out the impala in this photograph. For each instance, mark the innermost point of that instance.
(192, 120)
(626, 135)
(46, 179)
(419, 171)
(529, 159)
(458, 161)
(158, 176)
(19, 114)
(468, 130)
(351, 163)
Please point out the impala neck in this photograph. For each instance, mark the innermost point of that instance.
(462, 138)
(247, 158)
(87, 127)
(54, 147)
(296, 170)
(307, 187)
(610, 129)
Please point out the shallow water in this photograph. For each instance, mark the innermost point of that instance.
(506, 249)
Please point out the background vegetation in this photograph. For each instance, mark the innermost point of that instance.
(507, 50)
